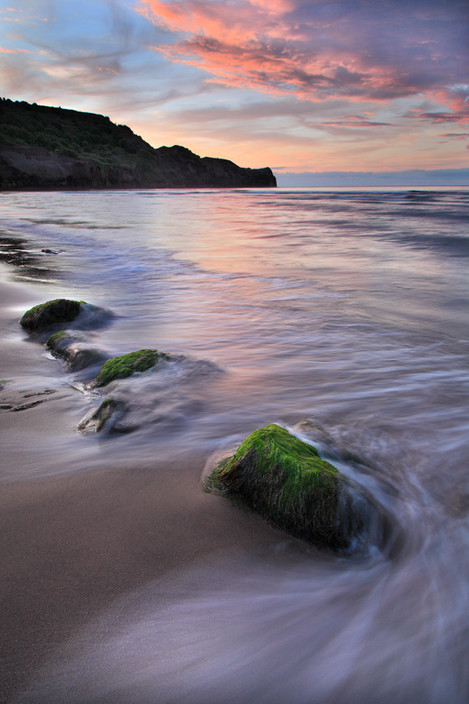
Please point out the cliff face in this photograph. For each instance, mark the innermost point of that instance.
(52, 148)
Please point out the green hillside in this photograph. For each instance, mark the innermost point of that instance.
(47, 147)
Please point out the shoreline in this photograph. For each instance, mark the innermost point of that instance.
(73, 542)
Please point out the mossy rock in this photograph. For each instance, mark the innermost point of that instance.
(72, 346)
(128, 364)
(44, 315)
(56, 341)
(285, 481)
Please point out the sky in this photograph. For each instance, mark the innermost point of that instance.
(369, 86)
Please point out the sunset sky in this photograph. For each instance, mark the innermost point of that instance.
(358, 85)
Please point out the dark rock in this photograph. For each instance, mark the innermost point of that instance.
(285, 480)
(110, 416)
(19, 253)
(53, 314)
(72, 346)
(17, 400)
(45, 315)
(98, 418)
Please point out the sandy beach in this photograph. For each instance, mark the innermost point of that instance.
(121, 581)
(74, 542)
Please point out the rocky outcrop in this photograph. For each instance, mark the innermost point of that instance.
(284, 480)
(50, 148)
(74, 348)
(96, 419)
(45, 315)
(128, 364)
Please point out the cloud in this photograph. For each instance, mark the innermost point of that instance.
(353, 123)
(3, 50)
(293, 82)
(439, 117)
(93, 56)
(321, 50)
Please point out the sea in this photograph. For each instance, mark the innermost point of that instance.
(342, 315)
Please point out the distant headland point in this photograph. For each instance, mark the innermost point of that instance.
(48, 148)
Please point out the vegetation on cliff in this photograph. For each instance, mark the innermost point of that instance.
(47, 147)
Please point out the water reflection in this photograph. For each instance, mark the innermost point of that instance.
(346, 312)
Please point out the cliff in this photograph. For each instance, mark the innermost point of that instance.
(52, 148)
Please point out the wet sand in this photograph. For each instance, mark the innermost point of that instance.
(71, 543)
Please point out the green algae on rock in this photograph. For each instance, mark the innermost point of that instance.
(44, 315)
(284, 479)
(73, 347)
(128, 364)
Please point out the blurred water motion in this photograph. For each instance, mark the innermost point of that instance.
(347, 309)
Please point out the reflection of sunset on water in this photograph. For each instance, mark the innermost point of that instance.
(341, 315)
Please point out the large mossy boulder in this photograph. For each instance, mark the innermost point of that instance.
(45, 315)
(128, 364)
(284, 480)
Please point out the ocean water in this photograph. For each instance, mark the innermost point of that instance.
(343, 315)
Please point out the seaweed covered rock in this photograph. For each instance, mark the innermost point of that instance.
(128, 364)
(44, 315)
(285, 480)
(73, 347)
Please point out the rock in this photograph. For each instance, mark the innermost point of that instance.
(20, 400)
(98, 418)
(44, 315)
(73, 347)
(128, 364)
(52, 314)
(110, 416)
(285, 481)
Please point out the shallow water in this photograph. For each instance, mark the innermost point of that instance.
(343, 315)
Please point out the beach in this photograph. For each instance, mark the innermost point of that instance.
(71, 545)
(122, 580)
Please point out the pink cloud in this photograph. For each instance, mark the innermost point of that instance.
(14, 51)
(440, 117)
(352, 123)
(319, 50)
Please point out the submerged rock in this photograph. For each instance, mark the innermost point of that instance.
(110, 416)
(98, 418)
(285, 480)
(44, 315)
(128, 364)
(74, 349)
